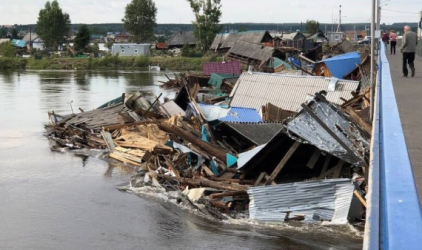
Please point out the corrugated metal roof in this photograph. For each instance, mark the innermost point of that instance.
(306, 127)
(328, 199)
(258, 133)
(233, 68)
(288, 92)
(341, 65)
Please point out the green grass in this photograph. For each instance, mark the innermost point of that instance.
(108, 62)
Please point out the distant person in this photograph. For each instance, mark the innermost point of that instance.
(393, 42)
(408, 48)
(385, 39)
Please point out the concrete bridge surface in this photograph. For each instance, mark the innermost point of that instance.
(409, 99)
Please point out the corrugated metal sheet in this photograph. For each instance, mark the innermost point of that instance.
(306, 127)
(341, 65)
(328, 199)
(258, 133)
(233, 68)
(288, 92)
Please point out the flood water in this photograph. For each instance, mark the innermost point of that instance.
(53, 200)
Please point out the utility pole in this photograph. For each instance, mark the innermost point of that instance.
(420, 25)
(378, 14)
(371, 111)
(354, 33)
(339, 20)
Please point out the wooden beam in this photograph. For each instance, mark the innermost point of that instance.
(282, 163)
(326, 163)
(260, 177)
(359, 120)
(225, 194)
(314, 158)
(362, 200)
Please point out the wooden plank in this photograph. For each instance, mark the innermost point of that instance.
(283, 162)
(260, 177)
(326, 163)
(362, 200)
(338, 167)
(314, 158)
(225, 194)
(359, 120)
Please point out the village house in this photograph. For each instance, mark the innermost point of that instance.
(130, 49)
(180, 38)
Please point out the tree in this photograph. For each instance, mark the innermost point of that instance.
(207, 18)
(161, 39)
(3, 32)
(140, 20)
(109, 44)
(82, 38)
(312, 26)
(242, 29)
(53, 25)
(14, 34)
(7, 49)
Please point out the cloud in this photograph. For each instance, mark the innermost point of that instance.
(178, 11)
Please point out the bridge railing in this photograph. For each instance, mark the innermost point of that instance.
(394, 219)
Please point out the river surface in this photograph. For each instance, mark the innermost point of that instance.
(53, 200)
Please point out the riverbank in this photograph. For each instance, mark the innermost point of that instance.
(107, 62)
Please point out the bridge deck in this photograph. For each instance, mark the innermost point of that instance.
(409, 99)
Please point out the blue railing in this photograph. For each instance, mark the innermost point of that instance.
(394, 219)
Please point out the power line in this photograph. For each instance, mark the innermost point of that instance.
(400, 11)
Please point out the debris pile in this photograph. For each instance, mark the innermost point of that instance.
(266, 146)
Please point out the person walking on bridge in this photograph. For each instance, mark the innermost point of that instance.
(408, 48)
(393, 42)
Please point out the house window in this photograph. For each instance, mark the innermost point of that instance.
(337, 37)
(123, 51)
(136, 51)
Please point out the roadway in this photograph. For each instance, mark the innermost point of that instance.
(409, 99)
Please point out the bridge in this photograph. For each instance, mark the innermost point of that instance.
(394, 219)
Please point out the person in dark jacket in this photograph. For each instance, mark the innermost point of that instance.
(408, 48)
(385, 39)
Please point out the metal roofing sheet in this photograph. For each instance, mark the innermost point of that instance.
(233, 68)
(329, 199)
(306, 127)
(343, 64)
(288, 92)
(258, 133)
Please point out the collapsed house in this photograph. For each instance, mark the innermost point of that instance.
(224, 42)
(266, 146)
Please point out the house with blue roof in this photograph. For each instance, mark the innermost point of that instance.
(337, 66)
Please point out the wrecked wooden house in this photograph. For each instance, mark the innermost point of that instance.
(337, 66)
(253, 54)
(225, 41)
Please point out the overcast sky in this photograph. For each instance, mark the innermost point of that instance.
(257, 11)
